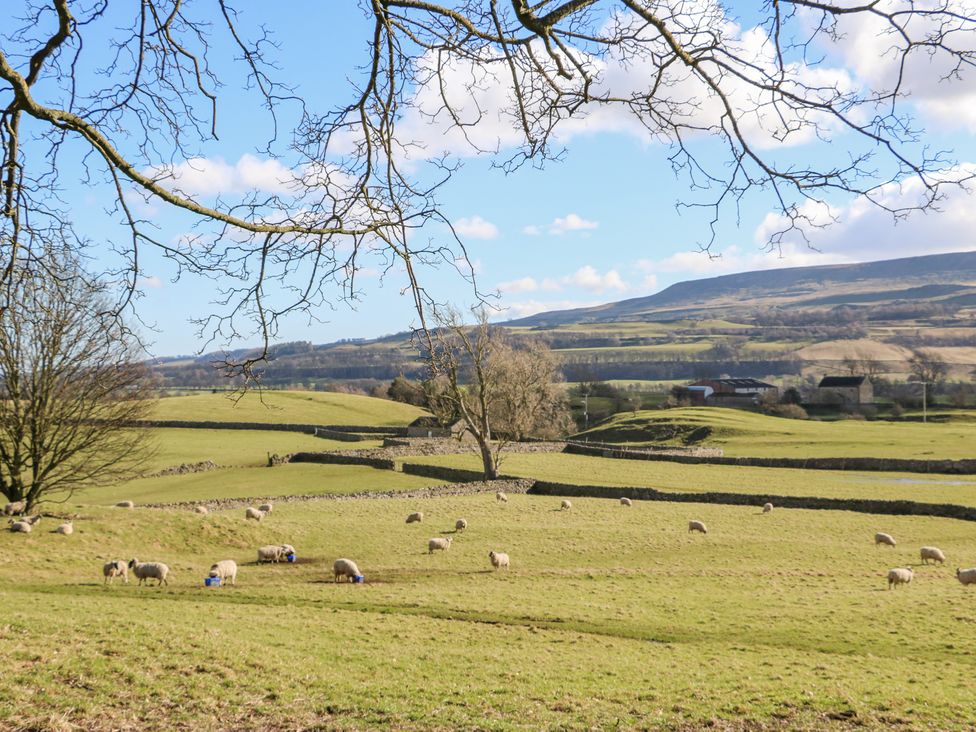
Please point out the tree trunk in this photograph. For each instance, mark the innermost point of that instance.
(488, 459)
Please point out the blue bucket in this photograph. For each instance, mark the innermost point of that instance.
(291, 557)
(212, 581)
(359, 579)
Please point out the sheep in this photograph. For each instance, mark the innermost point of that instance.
(66, 528)
(113, 569)
(345, 568)
(501, 497)
(626, 501)
(881, 538)
(498, 560)
(226, 570)
(416, 517)
(15, 508)
(149, 570)
(899, 576)
(767, 507)
(460, 525)
(22, 527)
(266, 507)
(565, 505)
(966, 576)
(202, 510)
(438, 543)
(933, 553)
(270, 553)
(125, 504)
(697, 526)
(253, 513)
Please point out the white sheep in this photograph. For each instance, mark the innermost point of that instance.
(15, 508)
(697, 526)
(225, 570)
(882, 538)
(933, 553)
(149, 570)
(22, 527)
(626, 501)
(113, 569)
(66, 528)
(565, 505)
(498, 560)
(767, 507)
(440, 542)
(270, 553)
(460, 525)
(501, 497)
(125, 504)
(287, 549)
(266, 507)
(416, 517)
(966, 576)
(345, 568)
(202, 510)
(253, 513)
(899, 576)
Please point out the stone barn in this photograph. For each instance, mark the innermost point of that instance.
(845, 390)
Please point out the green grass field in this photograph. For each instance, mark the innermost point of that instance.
(609, 618)
(681, 478)
(276, 407)
(743, 433)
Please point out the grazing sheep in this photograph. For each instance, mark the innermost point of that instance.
(67, 529)
(149, 570)
(125, 504)
(626, 502)
(32, 520)
(416, 517)
(881, 538)
(966, 576)
(565, 505)
(933, 553)
(202, 509)
(15, 508)
(899, 576)
(266, 507)
(460, 525)
(253, 513)
(270, 553)
(697, 526)
(501, 497)
(226, 570)
(767, 507)
(440, 542)
(22, 527)
(498, 560)
(113, 569)
(345, 568)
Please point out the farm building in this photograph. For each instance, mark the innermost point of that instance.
(430, 427)
(728, 392)
(842, 390)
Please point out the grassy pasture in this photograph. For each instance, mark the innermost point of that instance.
(677, 477)
(743, 433)
(276, 407)
(609, 617)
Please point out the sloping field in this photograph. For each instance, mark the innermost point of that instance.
(678, 477)
(741, 433)
(278, 407)
(609, 617)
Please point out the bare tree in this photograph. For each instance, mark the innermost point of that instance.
(536, 73)
(70, 384)
(500, 392)
(927, 366)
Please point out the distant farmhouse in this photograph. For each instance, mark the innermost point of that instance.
(729, 392)
(845, 390)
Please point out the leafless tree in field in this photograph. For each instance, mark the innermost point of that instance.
(69, 383)
(729, 105)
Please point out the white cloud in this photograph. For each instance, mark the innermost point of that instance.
(588, 278)
(532, 230)
(531, 307)
(525, 284)
(215, 176)
(475, 228)
(649, 283)
(562, 225)
(151, 281)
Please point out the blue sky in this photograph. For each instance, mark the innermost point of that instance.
(600, 225)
